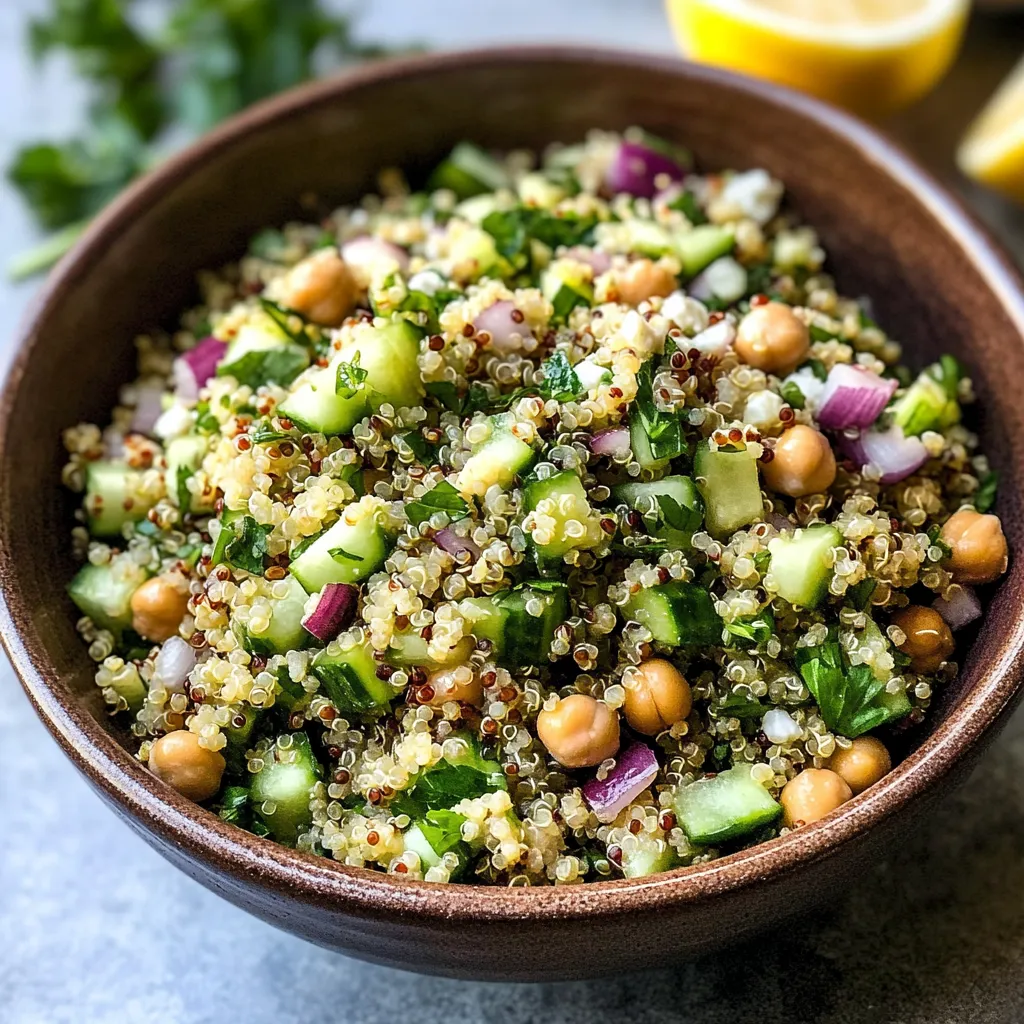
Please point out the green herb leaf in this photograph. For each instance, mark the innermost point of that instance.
(985, 496)
(234, 806)
(686, 203)
(737, 705)
(280, 365)
(181, 491)
(447, 394)
(350, 379)
(860, 593)
(792, 395)
(443, 830)
(679, 517)
(267, 244)
(442, 498)
(821, 334)
(446, 783)
(817, 368)
(303, 544)
(421, 447)
(249, 548)
(284, 317)
(206, 422)
(754, 629)
(513, 231)
(560, 380)
(264, 433)
(847, 695)
(663, 429)
(340, 554)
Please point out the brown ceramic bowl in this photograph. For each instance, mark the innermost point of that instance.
(892, 234)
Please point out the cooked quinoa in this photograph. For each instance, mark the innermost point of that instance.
(555, 523)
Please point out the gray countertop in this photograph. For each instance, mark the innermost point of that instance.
(98, 929)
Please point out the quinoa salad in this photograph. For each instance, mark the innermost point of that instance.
(556, 522)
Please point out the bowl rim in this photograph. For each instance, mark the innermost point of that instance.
(151, 807)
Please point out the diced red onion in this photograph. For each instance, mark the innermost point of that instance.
(148, 406)
(635, 769)
(498, 322)
(853, 397)
(961, 608)
(636, 167)
(897, 456)
(334, 610)
(450, 541)
(613, 441)
(599, 262)
(173, 665)
(196, 366)
(780, 522)
(366, 251)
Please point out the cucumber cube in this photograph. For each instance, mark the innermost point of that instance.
(104, 592)
(281, 790)
(728, 481)
(726, 806)
(112, 498)
(348, 675)
(347, 553)
(284, 632)
(800, 564)
(703, 245)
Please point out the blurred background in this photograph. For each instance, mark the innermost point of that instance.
(99, 929)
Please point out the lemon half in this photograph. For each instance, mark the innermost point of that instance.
(992, 152)
(870, 56)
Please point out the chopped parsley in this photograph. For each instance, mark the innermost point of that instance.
(350, 379)
(985, 496)
(279, 365)
(249, 548)
(664, 430)
(442, 498)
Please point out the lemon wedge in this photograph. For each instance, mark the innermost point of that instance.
(992, 151)
(870, 56)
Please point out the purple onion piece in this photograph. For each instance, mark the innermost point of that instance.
(853, 397)
(505, 330)
(451, 542)
(635, 769)
(335, 609)
(636, 167)
(896, 455)
(366, 251)
(599, 262)
(613, 441)
(960, 609)
(194, 368)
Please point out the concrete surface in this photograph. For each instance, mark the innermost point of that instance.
(96, 929)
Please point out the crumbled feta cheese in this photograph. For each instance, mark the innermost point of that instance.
(427, 281)
(780, 727)
(762, 409)
(756, 193)
(173, 422)
(714, 341)
(724, 279)
(590, 374)
(685, 312)
(810, 387)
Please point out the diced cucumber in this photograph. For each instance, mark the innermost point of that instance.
(520, 638)
(640, 443)
(648, 238)
(473, 253)
(183, 456)
(728, 482)
(648, 857)
(431, 838)
(497, 460)
(259, 355)
(643, 496)
(536, 189)
(565, 288)
(677, 613)
(729, 805)
(563, 499)
(284, 632)
(388, 357)
(104, 592)
(240, 736)
(281, 790)
(702, 245)
(346, 553)
(930, 403)
(112, 498)
(468, 171)
(799, 564)
(226, 534)
(348, 674)
(411, 649)
(128, 685)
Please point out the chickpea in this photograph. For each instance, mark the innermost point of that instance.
(773, 338)
(459, 682)
(929, 640)
(862, 763)
(803, 463)
(814, 793)
(321, 287)
(979, 546)
(579, 731)
(660, 698)
(192, 770)
(643, 279)
(158, 607)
